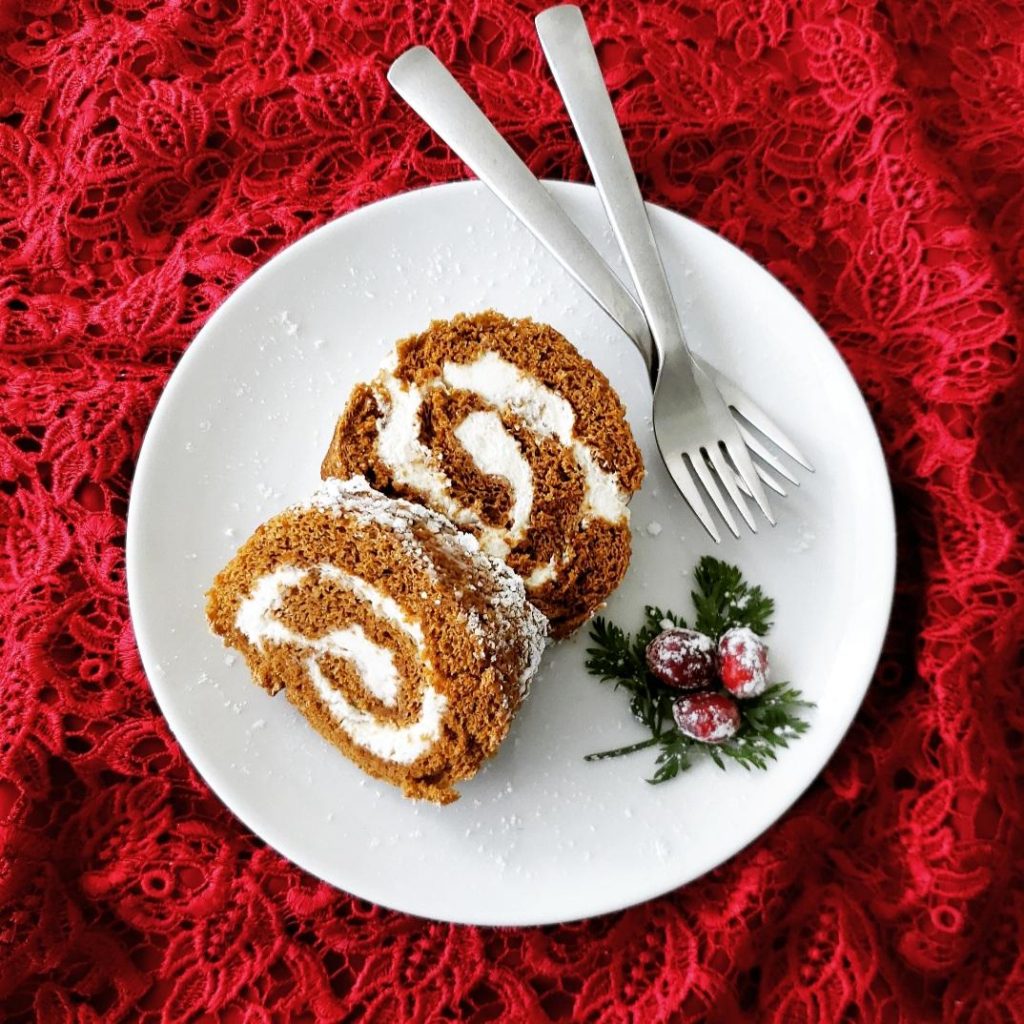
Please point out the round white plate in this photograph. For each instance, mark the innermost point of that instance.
(539, 835)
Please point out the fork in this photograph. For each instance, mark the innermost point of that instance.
(694, 429)
(420, 78)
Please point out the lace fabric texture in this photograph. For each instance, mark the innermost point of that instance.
(153, 154)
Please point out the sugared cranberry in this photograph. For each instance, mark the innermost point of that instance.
(708, 717)
(682, 658)
(743, 662)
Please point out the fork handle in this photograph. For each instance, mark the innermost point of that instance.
(429, 88)
(573, 62)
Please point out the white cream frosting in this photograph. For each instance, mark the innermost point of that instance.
(546, 413)
(399, 447)
(603, 497)
(400, 744)
(496, 453)
(375, 664)
(505, 387)
(542, 574)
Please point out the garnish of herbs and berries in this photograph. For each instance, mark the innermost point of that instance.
(704, 690)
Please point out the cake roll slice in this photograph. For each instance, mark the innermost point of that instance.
(401, 642)
(502, 426)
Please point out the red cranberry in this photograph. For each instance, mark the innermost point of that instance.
(708, 717)
(682, 658)
(743, 662)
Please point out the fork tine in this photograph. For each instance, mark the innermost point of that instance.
(765, 476)
(756, 417)
(726, 475)
(677, 468)
(704, 474)
(745, 467)
(762, 453)
(770, 480)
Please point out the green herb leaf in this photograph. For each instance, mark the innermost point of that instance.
(674, 757)
(611, 658)
(723, 599)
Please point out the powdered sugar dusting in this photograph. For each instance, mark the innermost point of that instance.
(511, 620)
(356, 497)
(722, 725)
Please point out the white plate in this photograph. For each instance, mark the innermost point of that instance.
(539, 836)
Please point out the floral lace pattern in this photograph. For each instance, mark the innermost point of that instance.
(153, 154)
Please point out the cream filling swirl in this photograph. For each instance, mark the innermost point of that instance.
(401, 744)
(505, 387)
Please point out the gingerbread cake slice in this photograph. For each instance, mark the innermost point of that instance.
(401, 641)
(502, 426)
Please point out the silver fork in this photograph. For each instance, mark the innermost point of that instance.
(695, 431)
(420, 78)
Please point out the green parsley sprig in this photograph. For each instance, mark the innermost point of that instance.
(723, 599)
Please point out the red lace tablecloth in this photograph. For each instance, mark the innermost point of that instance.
(152, 155)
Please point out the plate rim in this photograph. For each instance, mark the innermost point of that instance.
(212, 776)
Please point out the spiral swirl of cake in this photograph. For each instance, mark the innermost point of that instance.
(502, 426)
(395, 635)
